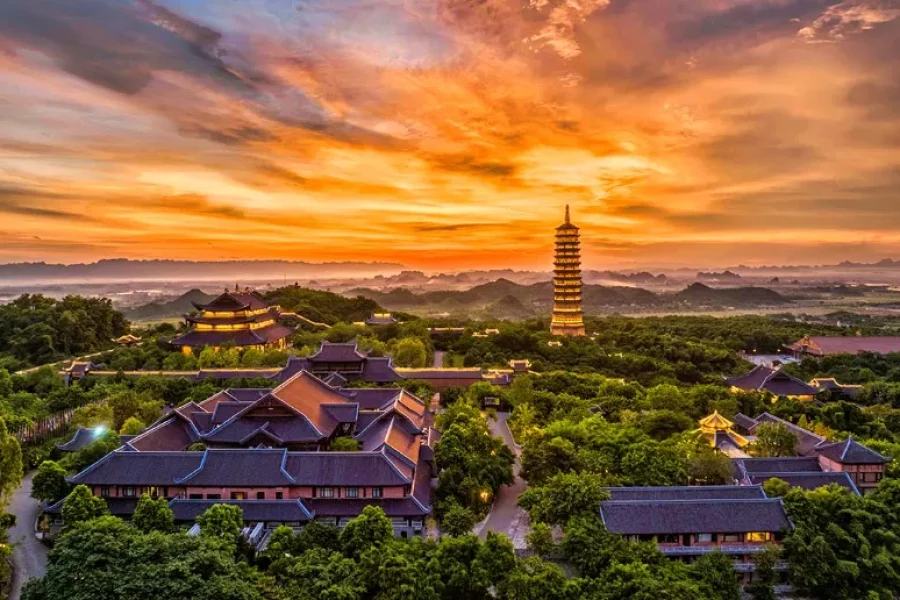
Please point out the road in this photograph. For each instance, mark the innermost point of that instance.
(439, 359)
(29, 555)
(506, 516)
(60, 363)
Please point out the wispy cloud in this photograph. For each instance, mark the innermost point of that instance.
(447, 133)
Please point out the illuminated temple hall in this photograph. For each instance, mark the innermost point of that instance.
(568, 313)
(240, 318)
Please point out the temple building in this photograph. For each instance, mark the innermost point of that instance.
(773, 381)
(268, 451)
(721, 435)
(568, 311)
(817, 461)
(823, 345)
(341, 363)
(688, 522)
(243, 319)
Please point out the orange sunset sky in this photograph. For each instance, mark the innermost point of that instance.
(448, 134)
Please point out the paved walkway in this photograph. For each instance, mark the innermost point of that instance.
(506, 516)
(439, 359)
(29, 555)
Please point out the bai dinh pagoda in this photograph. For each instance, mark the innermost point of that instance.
(241, 318)
(568, 313)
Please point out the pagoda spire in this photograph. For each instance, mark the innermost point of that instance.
(568, 311)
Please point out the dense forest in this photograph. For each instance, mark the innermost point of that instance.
(35, 329)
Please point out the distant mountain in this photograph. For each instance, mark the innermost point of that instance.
(725, 276)
(698, 294)
(506, 299)
(168, 270)
(173, 308)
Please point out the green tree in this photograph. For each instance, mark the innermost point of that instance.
(222, 521)
(716, 570)
(81, 506)
(320, 574)
(563, 497)
(10, 464)
(252, 358)
(106, 558)
(410, 352)
(344, 444)
(765, 577)
(774, 439)
(153, 514)
(49, 483)
(776, 488)
(132, 426)
(709, 467)
(457, 520)
(540, 539)
(537, 580)
(371, 529)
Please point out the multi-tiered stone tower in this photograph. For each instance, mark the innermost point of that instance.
(568, 313)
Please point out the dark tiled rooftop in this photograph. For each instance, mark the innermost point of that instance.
(851, 452)
(808, 481)
(697, 492)
(139, 468)
(693, 516)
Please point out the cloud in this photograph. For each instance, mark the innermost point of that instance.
(331, 129)
(846, 18)
(563, 17)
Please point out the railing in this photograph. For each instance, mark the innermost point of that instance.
(727, 549)
(45, 428)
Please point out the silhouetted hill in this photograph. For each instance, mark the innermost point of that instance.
(173, 308)
(698, 294)
(506, 299)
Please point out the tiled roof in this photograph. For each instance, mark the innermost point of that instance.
(774, 381)
(744, 422)
(139, 468)
(343, 412)
(307, 394)
(82, 438)
(693, 516)
(371, 398)
(808, 481)
(828, 345)
(294, 365)
(343, 468)
(240, 428)
(172, 434)
(244, 468)
(232, 301)
(118, 507)
(227, 409)
(237, 320)
(253, 510)
(851, 452)
(745, 468)
(337, 353)
(335, 379)
(379, 370)
(392, 507)
(241, 337)
(694, 492)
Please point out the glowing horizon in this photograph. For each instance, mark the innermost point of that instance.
(450, 134)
